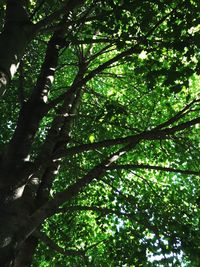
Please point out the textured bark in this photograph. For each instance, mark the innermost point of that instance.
(15, 167)
(15, 248)
(16, 34)
(9, 235)
(18, 31)
(27, 125)
(25, 255)
(31, 113)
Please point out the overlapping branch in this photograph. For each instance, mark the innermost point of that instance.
(154, 134)
(150, 167)
(60, 198)
(178, 115)
(66, 8)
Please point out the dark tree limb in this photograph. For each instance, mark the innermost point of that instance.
(60, 198)
(21, 93)
(150, 167)
(154, 134)
(179, 115)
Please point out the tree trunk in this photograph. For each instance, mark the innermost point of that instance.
(26, 253)
(16, 34)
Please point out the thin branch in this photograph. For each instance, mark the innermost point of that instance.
(150, 167)
(93, 208)
(70, 23)
(100, 52)
(56, 101)
(148, 182)
(164, 18)
(127, 52)
(110, 62)
(21, 92)
(180, 127)
(97, 243)
(178, 116)
(55, 15)
(51, 244)
(92, 41)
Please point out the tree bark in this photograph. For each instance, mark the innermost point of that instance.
(16, 34)
(25, 255)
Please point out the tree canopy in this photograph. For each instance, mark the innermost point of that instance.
(99, 162)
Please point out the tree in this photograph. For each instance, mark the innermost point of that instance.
(99, 133)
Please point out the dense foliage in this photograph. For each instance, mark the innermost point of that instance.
(100, 133)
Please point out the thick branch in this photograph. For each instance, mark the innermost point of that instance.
(57, 137)
(46, 76)
(53, 134)
(52, 168)
(153, 134)
(180, 127)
